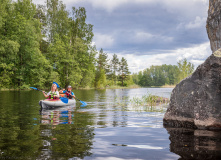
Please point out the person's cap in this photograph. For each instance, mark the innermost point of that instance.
(69, 87)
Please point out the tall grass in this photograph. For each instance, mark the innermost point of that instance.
(148, 102)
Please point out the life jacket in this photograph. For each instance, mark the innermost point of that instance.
(68, 94)
(52, 95)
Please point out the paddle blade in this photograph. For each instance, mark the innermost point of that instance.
(64, 100)
(34, 88)
(83, 103)
(56, 84)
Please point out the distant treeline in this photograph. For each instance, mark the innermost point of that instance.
(45, 43)
(164, 74)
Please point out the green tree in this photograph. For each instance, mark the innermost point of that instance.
(84, 52)
(3, 12)
(146, 79)
(41, 16)
(70, 50)
(135, 78)
(185, 69)
(85, 65)
(79, 27)
(42, 44)
(123, 71)
(100, 81)
(57, 20)
(101, 68)
(102, 60)
(115, 68)
(8, 54)
(22, 31)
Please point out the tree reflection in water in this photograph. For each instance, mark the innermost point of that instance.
(195, 144)
(66, 133)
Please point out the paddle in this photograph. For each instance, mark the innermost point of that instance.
(63, 99)
(83, 103)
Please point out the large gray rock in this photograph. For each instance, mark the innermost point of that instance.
(214, 24)
(196, 101)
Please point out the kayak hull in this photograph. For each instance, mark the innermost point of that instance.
(55, 103)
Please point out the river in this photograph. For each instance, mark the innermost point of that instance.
(109, 127)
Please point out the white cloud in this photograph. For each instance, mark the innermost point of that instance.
(111, 5)
(198, 22)
(103, 40)
(142, 37)
(38, 2)
(196, 62)
(196, 55)
(108, 5)
(199, 52)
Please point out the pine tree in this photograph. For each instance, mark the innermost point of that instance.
(101, 68)
(123, 71)
(115, 67)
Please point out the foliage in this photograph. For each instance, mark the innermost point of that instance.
(185, 69)
(163, 75)
(101, 69)
(44, 43)
(123, 71)
(114, 67)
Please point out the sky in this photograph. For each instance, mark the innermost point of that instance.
(148, 32)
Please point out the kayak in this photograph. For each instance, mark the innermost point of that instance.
(48, 103)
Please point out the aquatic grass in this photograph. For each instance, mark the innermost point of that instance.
(121, 101)
(149, 102)
(136, 101)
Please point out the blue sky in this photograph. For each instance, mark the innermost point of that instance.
(148, 32)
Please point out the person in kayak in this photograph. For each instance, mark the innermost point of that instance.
(53, 94)
(68, 93)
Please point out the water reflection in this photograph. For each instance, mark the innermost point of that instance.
(66, 133)
(62, 115)
(195, 144)
(62, 133)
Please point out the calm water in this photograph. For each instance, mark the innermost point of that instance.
(107, 128)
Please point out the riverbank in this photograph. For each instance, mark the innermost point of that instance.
(120, 87)
(164, 86)
(107, 87)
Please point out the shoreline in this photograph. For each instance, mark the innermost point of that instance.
(108, 87)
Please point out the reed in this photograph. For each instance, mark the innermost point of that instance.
(148, 102)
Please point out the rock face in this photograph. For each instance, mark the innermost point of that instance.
(196, 101)
(214, 24)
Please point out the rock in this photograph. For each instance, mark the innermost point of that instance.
(213, 25)
(192, 144)
(196, 101)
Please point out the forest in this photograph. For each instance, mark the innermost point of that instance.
(45, 43)
(164, 74)
(40, 44)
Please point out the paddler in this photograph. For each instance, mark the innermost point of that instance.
(68, 93)
(53, 94)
